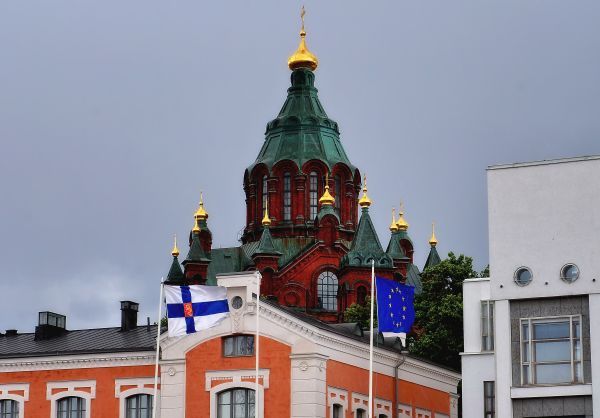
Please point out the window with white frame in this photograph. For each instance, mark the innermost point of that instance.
(138, 406)
(337, 411)
(71, 407)
(361, 413)
(9, 408)
(236, 403)
(551, 351)
(489, 399)
(238, 345)
(487, 325)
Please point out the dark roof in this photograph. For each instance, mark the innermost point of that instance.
(84, 341)
(433, 259)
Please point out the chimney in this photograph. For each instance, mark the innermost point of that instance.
(129, 311)
(50, 325)
(11, 332)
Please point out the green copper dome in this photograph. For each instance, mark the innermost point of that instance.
(302, 131)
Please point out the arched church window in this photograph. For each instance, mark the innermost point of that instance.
(338, 192)
(71, 407)
(9, 409)
(138, 406)
(264, 196)
(287, 196)
(327, 287)
(236, 403)
(313, 193)
(361, 295)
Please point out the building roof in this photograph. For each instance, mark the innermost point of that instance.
(544, 162)
(366, 246)
(302, 131)
(84, 341)
(433, 259)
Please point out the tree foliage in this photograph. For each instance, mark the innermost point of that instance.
(438, 330)
(361, 313)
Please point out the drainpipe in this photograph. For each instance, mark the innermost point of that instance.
(403, 354)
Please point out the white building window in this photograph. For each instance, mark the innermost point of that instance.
(70, 407)
(139, 406)
(551, 351)
(487, 325)
(9, 408)
(337, 411)
(489, 399)
(361, 413)
(236, 403)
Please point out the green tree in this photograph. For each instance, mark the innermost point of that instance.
(361, 313)
(438, 330)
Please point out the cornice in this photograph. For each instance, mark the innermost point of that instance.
(75, 362)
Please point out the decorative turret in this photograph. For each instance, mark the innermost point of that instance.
(201, 226)
(175, 273)
(266, 256)
(364, 201)
(393, 225)
(402, 224)
(433, 258)
(327, 199)
(196, 262)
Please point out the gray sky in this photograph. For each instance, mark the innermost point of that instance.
(114, 115)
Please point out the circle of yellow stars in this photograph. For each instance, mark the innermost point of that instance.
(397, 291)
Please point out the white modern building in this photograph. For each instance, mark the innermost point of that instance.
(532, 329)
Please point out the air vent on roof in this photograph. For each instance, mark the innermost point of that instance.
(129, 312)
(50, 325)
(11, 332)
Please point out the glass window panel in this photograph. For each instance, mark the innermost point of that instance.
(239, 411)
(552, 351)
(225, 398)
(577, 350)
(525, 331)
(251, 410)
(576, 329)
(239, 396)
(578, 372)
(224, 411)
(553, 373)
(526, 380)
(551, 330)
(228, 347)
(525, 352)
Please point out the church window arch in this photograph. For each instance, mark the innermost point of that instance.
(287, 196)
(71, 407)
(327, 287)
(138, 406)
(9, 408)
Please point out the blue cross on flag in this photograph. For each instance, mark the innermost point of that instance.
(395, 308)
(194, 308)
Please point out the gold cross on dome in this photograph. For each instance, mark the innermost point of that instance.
(302, 13)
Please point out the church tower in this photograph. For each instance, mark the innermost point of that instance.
(303, 231)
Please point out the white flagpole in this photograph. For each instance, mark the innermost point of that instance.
(257, 343)
(371, 340)
(160, 303)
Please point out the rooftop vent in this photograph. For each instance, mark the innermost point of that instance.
(129, 311)
(50, 325)
(11, 332)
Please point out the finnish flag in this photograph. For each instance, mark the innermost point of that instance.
(194, 308)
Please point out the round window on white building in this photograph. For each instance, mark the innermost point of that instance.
(569, 273)
(523, 276)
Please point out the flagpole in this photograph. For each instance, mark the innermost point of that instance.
(160, 303)
(257, 343)
(371, 340)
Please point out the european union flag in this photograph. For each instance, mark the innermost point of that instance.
(395, 307)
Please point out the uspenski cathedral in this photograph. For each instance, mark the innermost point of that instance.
(308, 228)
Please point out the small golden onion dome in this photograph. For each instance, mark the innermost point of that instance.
(364, 201)
(201, 214)
(433, 240)
(196, 228)
(303, 58)
(266, 220)
(327, 198)
(175, 250)
(393, 226)
(402, 224)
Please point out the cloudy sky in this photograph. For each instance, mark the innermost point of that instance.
(114, 115)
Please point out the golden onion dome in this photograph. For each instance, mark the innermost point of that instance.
(303, 58)
(393, 226)
(402, 224)
(433, 240)
(201, 214)
(196, 228)
(175, 250)
(364, 201)
(327, 198)
(266, 220)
